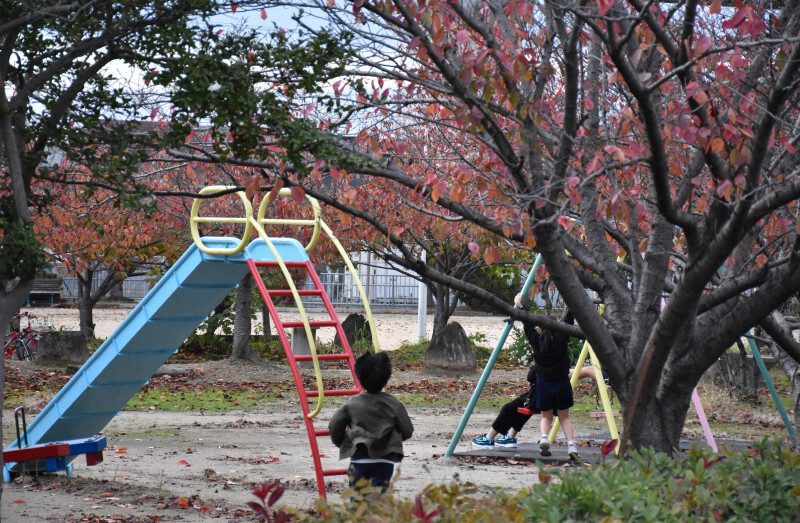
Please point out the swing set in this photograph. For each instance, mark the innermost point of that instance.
(602, 387)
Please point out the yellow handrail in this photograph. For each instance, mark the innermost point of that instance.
(194, 219)
(320, 224)
(303, 316)
(262, 211)
(258, 223)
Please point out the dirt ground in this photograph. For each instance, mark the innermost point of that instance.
(195, 466)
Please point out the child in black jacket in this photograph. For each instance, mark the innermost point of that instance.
(553, 388)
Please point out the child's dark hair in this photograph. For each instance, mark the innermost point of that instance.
(373, 371)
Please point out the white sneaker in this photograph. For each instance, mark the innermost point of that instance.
(544, 445)
(572, 450)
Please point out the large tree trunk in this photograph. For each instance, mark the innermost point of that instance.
(449, 352)
(11, 299)
(658, 423)
(242, 323)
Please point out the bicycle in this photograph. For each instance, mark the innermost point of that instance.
(20, 341)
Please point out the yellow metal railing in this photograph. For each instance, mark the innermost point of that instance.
(257, 223)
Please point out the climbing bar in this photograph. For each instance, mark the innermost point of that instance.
(334, 392)
(301, 292)
(321, 357)
(315, 323)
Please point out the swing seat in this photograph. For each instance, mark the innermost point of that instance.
(526, 411)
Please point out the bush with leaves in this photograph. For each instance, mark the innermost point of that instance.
(520, 351)
(263, 507)
(761, 484)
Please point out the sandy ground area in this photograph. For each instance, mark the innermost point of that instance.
(393, 329)
(213, 460)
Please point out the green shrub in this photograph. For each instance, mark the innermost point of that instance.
(762, 484)
(520, 352)
(409, 354)
(268, 347)
(758, 485)
(477, 342)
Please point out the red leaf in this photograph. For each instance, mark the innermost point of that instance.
(491, 255)
(262, 491)
(234, 7)
(251, 185)
(258, 509)
(298, 194)
(184, 462)
(608, 446)
(276, 495)
(263, 14)
(604, 6)
(725, 189)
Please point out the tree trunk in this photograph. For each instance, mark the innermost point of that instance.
(658, 423)
(265, 320)
(116, 291)
(242, 323)
(11, 299)
(449, 352)
(86, 303)
(443, 309)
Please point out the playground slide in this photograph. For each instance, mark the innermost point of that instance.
(153, 331)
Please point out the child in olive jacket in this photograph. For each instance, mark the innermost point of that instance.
(370, 427)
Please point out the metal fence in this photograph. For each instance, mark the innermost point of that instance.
(383, 287)
(133, 288)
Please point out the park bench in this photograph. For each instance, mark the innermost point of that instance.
(45, 286)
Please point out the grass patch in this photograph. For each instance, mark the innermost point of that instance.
(212, 399)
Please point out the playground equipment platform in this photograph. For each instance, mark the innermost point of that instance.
(590, 453)
(172, 310)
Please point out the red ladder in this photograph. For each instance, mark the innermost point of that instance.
(345, 355)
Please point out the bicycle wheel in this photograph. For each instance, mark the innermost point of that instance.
(23, 352)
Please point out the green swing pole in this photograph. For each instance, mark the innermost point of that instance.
(489, 364)
(771, 386)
